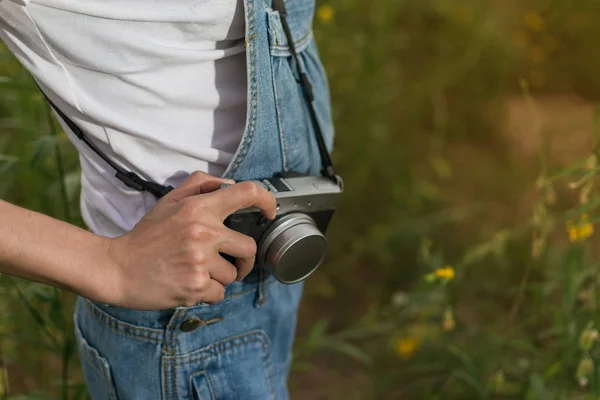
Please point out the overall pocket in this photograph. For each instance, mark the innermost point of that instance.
(202, 387)
(96, 369)
(232, 369)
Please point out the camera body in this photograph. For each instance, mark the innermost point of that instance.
(293, 245)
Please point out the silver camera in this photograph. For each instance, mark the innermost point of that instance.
(293, 245)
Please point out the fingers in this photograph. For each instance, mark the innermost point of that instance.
(214, 293)
(223, 271)
(240, 246)
(197, 183)
(244, 266)
(226, 201)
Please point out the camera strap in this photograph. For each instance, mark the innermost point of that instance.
(134, 181)
(130, 179)
(327, 166)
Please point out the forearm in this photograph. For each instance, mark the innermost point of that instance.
(43, 249)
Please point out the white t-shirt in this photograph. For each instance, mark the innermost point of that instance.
(159, 85)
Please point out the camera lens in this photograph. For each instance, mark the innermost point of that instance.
(293, 248)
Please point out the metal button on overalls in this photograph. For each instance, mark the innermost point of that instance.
(192, 324)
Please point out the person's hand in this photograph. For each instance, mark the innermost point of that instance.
(171, 257)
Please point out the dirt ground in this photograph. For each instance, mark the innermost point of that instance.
(566, 122)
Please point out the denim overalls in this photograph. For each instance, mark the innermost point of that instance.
(241, 347)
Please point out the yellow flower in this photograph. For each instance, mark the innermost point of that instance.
(406, 347)
(581, 230)
(446, 273)
(534, 21)
(325, 13)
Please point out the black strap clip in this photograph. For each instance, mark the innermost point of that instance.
(130, 179)
(133, 181)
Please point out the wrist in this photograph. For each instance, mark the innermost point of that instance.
(101, 278)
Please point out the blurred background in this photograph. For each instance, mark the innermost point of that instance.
(462, 261)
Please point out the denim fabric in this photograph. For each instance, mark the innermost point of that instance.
(242, 350)
(241, 347)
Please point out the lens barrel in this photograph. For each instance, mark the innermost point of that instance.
(293, 248)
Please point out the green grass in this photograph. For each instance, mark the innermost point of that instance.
(421, 94)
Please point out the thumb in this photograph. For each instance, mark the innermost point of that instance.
(197, 183)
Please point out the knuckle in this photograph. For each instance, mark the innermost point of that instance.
(190, 232)
(197, 258)
(250, 189)
(201, 281)
(196, 175)
(200, 232)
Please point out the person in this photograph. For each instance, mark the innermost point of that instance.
(190, 94)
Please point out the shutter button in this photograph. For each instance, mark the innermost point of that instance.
(191, 324)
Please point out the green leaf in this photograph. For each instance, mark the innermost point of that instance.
(567, 171)
(317, 333)
(463, 357)
(552, 370)
(39, 291)
(473, 382)
(349, 350)
(6, 162)
(72, 185)
(56, 314)
(595, 382)
(589, 206)
(42, 148)
(537, 389)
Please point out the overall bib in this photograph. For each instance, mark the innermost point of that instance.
(240, 348)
